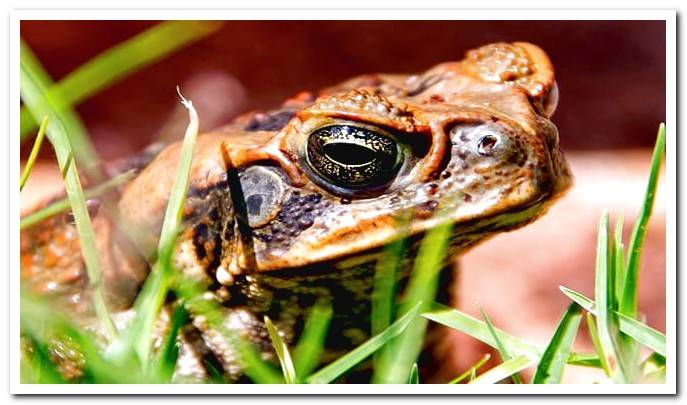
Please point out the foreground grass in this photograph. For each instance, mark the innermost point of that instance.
(398, 325)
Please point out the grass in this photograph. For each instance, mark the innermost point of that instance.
(398, 325)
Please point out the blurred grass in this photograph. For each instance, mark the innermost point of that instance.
(34, 153)
(119, 61)
(58, 130)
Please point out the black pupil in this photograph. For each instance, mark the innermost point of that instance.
(349, 154)
(352, 157)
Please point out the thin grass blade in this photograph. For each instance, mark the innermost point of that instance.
(555, 357)
(352, 358)
(422, 287)
(505, 370)
(35, 82)
(63, 204)
(414, 375)
(166, 359)
(149, 301)
(34, 153)
(628, 301)
(505, 356)
(282, 351)
(594, 335)
(642, 333)
(478, 329)
(604, 289)
(125, 58)
(472, 370)
(34, 99)
(310, 346)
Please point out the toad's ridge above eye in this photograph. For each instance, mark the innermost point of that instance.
(353, 157)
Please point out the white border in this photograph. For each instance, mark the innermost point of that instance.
(671, 169)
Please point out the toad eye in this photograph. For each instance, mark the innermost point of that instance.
(353, 157)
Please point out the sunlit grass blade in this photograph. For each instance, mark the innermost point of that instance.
(472, 370)
(604, 290)
(628, 301)
(641, 332)
(654, 369)
(478, 329)
(282, 351)
(414, 377)
(166, 359)
(619, 257)
(344, 363)
(34, 99)
(422, 287)
(553, 361)
(34, 153)
(505, 370)
(505, 356)
(63, 204)
(384, 292)
(125, 58)
(307, 353)
(594, 335)
(149, 301)
(34, 85)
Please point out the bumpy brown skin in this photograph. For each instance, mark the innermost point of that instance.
(309, 240)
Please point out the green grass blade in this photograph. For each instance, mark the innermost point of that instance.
(34, 153)
(282, 353)
(585, 360)
(34, 98)
(166, 359)
(604, 289)
(642, 333)
(63, 204)
(505, 356)
(422, 287)
(352, 358)
(414, 375)
(628, 301)
(127, 57)
(35, 82)
(594, 335)
(555, 357)
(310, 346)
(505, 370)
(472, 370)
(155, 289)
(384, 293)
(619, 257)
(477, 329)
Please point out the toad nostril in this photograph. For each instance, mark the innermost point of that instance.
(486, 144)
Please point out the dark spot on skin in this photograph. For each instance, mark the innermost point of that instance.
(200, 236)
(425, 83)
(426, 209)
(432, 188)
(445, 174)
(435, 98)
(467, 197)
(214, 215)
(253, 204)
(345, 200)
(270, 121)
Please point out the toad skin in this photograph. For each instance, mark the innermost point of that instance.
(324, 180)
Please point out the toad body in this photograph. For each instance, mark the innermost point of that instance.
(293, 206)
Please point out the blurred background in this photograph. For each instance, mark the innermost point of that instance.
(611, 76)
